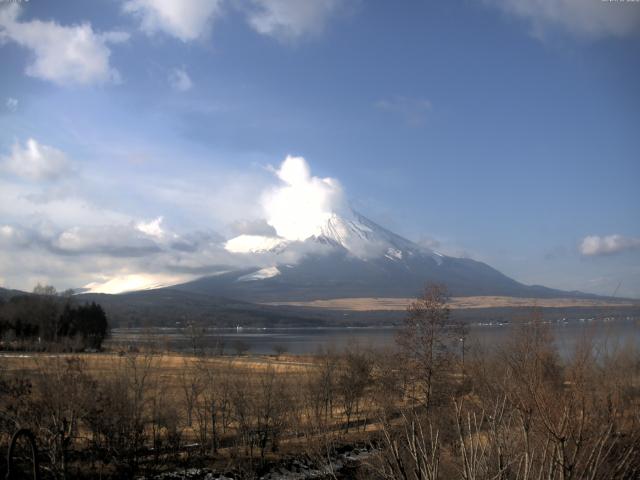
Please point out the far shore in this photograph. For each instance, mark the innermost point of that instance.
(369, 304)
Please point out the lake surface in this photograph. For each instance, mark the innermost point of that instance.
(608, 335)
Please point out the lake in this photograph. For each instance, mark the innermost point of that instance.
(610, 335)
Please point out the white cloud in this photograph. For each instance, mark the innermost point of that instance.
(39, 202)
(115, 240)
(129, 282)
(412, 110)
(582, 18)
(180, 80)
(152, 228)
(302, 203)
(11, 104)
(65, 55)
(290, 19)
(595, 245)
(11, 236)
(184, 19)
(108, 257)
(253, 243)
(74, 233)
(190, 20)
(252, 227)
(36, 162)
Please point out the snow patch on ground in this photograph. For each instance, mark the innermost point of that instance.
(394, 254)
(438, 257)
(261, 274)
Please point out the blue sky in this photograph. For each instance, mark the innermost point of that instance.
(502, 130)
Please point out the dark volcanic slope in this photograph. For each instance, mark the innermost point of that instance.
(340, 275)
(363, 259)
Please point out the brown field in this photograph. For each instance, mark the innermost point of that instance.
(170, 364)
(399, 304)
(122, 415)
(265, 407)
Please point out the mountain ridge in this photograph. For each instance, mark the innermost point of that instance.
(347, 256)
(352, 256)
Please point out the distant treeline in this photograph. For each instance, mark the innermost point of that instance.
(168, 307)
(46, 319)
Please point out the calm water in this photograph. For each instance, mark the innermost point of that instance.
(609, 335)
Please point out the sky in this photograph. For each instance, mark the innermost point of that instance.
(138, 136)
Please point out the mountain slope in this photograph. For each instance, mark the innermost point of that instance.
(340, 275)
(351, 256)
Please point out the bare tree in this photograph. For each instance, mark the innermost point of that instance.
(191, 388)
(212, 402)
(271, 406)
(353, 379)
(280, 349)
(62, 389)
(321, 386)
(426, 340)
(411, 450)
(241, 347)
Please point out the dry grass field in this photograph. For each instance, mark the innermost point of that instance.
(170, 365)
(400, 304)
(241, 411)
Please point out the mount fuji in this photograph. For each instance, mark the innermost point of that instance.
(349, 256)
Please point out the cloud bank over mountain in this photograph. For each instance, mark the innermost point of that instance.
(301, 203)
(57, 229)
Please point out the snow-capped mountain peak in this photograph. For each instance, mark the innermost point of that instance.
(365, 239)
(347, 255)
(347, 230)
